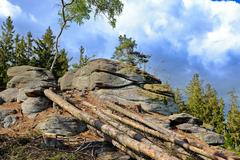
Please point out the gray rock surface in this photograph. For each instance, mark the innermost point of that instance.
(62, 125)
(119, 82)
(9, 95)
(181, 118)
(134, 95)
(34, 105)
(66, 81)
(21, 95)
(209, 137)
(1, 100)
(5, 112)
(9, 121)
(33, 79)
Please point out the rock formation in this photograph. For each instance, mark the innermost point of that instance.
(119, 82)
(99, 81)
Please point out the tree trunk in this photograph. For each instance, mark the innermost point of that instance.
(164, 133)
(117, 135)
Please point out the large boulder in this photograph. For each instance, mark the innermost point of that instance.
(9, 95)
(34, 105)
(207, 136)
(67, 126)
(122, 83)
(5, 112)
(1, 100)
(134, 95)
(33, 79)
(181, 118)
(66, 81)
(9, 121)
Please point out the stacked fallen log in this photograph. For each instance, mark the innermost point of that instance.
(133, 134)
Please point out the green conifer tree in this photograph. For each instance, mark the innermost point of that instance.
(29, 46)
(210, 102)
(125, 52)
(44, 50)
(6, 49)
(61, 66)
(195, 101)
(83, 59)
(179, 101)
(233, 121)
(44, 54)
(218, 117)
(20, 51)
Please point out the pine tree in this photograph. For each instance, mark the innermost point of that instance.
(44, 54)
(44, 50)
(233, 121)
(7, 39)
(83, 59)
(6, 49)
(217, 119)
(125, 52)
(61, 66)
(179, 101)
(20, 52)
(210, 102)
(29, 46)
(195, 97)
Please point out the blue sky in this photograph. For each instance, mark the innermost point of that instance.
(182, 36)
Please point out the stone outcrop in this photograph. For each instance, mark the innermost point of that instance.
(193, 125)
(9, 95)
(26, 86)
(122, 83)
(33, 105)
(32, 78)
(62, 125)
(7, 117)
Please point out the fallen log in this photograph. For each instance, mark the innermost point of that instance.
(117, 135)
(130, 132)
(165, 134)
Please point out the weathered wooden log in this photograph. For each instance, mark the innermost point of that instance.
(126, 150)
(117, 144)
(117, 135)
(129, 132)
(165, 134)
(179, 153)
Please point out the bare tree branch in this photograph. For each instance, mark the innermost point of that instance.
(61, 30)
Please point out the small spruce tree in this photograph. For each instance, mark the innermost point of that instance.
(233, 121)
(125, 52)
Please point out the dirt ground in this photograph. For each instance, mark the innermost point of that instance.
(23, 142)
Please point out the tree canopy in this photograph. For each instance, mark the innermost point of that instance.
(80, 11)
(125, 52)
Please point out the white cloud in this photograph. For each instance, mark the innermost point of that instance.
(33, 18)
(208, 30)
(9, 9)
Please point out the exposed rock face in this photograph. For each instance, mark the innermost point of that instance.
(27, 85)
(33, 105)
(119, 82)
(184, 118)
(7, 117)
(67, 126)
(190, 124)
(9, 95)
(9, 121)
(1, 100)
(30, 77)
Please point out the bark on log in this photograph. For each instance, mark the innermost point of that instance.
(166, 134)
(105, 128)
(130, 132)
